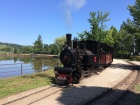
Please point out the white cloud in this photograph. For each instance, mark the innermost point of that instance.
(69, 6)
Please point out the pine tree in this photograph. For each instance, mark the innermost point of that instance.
(135, 12)
(38, 45)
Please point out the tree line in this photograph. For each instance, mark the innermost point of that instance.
(38, 47)
(125, 41)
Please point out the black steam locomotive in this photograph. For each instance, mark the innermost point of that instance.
(81, 59)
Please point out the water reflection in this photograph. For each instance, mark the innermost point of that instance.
(29, 65)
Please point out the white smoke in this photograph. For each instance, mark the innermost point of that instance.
(76, 4)
(69, 6)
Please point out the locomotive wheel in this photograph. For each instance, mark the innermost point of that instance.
(76, 77)
(66, 83)
(62, 83)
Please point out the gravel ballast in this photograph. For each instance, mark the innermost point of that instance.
(86, 90)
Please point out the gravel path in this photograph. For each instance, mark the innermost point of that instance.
(136, 62)
(88, 89)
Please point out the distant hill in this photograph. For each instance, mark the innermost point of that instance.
(15, 48)
(10, 47)
(9, 44)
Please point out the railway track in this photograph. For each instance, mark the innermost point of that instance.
(113, 95)
(30, 99)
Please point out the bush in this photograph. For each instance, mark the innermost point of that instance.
(137, 58)
(131, 58)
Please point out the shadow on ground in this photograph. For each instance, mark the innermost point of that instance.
(83, 94)
(124, 66)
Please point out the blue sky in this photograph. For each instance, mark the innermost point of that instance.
(21, 21)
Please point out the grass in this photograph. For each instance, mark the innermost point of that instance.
(18, 84)
(138, 87)
(137, 58)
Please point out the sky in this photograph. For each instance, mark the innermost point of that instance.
(21, 21)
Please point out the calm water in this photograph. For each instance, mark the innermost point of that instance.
(10, 67)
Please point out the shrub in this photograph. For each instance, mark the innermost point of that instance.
(137, 58)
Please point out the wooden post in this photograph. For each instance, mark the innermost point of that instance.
(21, 68)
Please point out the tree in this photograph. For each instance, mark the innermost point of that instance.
(52, 49)
(45, 48)
(126, 37)
(7, 49)
(38, 45)
(59, 42)
(135, 12)
(16, 50)
(108, 39)
(27, 49)
(97, 26)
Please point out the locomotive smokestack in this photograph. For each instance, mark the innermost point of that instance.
(68, 39)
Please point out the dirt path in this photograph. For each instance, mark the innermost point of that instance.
(78, 94)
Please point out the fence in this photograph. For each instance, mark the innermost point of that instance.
(10, 70)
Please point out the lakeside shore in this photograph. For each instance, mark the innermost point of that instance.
(29, 55)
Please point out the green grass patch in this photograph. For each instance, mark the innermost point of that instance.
(138, 87)
(18, 84)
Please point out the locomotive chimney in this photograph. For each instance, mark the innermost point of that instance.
(68, 39)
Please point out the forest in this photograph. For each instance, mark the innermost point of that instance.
(125, 41)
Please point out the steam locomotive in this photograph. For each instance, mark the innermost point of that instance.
(82, 59)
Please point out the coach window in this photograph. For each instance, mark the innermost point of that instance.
(101, 49)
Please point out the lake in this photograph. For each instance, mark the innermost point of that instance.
(10, 67)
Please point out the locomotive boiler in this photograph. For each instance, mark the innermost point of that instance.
(81, 58)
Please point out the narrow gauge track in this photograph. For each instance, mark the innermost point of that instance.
(114, 94)
(51, 90)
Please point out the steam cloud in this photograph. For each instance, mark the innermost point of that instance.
(69, 6)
